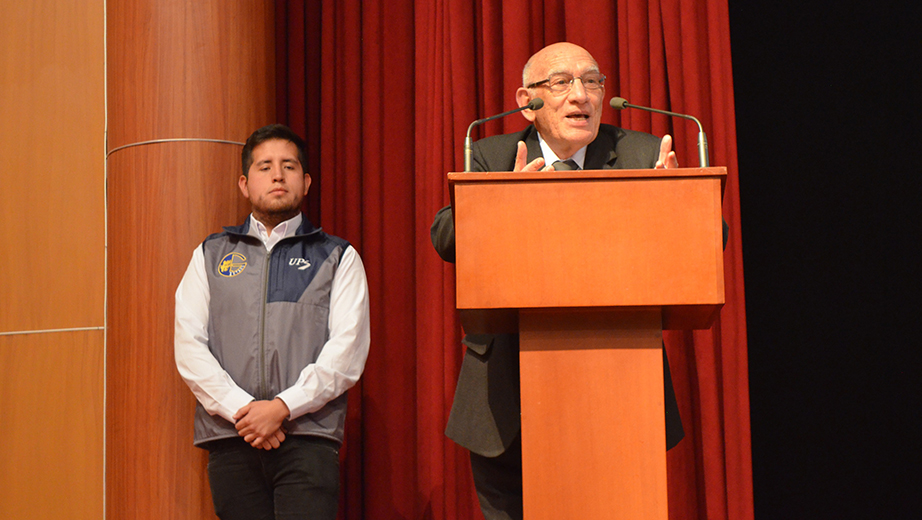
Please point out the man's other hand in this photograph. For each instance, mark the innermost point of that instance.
(521, 155)
(667, 158)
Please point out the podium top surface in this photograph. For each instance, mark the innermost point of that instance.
(575, 175)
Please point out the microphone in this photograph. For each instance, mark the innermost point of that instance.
(619, 103)
(534, 104)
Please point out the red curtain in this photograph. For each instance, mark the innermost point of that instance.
(383, 91)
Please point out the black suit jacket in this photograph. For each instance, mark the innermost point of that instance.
(485, 415)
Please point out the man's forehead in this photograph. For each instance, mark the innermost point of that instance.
(575, 70)
(572, 61)
(266, 150)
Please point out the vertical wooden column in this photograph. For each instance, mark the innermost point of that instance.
(176, 69)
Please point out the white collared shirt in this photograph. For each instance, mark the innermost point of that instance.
(550, 157)
(282, 230)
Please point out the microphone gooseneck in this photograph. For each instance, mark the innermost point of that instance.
(534, 104)
(619, 103)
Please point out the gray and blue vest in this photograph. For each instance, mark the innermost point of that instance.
(268, 319)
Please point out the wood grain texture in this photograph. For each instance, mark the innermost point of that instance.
(176, 69)
(51, 394)
(52, 253)
(590, 259)
(589, 239)
(201, 69)
(157, 219)
(52, 146)
(593, 427)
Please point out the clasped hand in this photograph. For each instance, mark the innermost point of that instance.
(260, 423)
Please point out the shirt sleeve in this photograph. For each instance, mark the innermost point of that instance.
(209, 382)
(342, 359)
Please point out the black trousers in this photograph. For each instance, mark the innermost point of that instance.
(498, 481)
(297, 481)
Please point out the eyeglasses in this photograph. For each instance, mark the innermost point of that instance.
(562, 82)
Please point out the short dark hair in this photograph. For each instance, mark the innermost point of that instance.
(267, 133)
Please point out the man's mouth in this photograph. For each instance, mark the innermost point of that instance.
(578, 117)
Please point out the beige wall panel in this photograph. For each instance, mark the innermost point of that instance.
(51, 394)
(52, 147)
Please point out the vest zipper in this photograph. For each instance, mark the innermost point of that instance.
(263, 390)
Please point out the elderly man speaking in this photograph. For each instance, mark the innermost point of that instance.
(566, 134)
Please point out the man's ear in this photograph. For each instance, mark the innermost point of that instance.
(242, 184)
(523, 97)
(307, 182)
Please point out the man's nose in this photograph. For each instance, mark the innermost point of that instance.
(578, 91)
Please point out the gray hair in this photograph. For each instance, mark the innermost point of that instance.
(527, 69)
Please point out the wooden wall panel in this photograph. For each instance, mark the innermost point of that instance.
(52, 256)
(176, 70)
(52, 146)
(51, 394)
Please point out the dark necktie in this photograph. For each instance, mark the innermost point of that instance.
(569, 164)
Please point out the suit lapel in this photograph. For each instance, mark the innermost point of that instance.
(600, 154)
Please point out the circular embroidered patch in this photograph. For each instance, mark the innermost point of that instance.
(232, 264)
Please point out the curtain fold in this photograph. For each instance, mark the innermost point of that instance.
(384, 92)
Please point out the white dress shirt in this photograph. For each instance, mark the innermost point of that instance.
(550, 157)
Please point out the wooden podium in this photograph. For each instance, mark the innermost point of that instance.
(589, 267)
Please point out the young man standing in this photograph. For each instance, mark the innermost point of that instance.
(271, 330)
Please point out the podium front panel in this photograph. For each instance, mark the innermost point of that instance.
(612, 238)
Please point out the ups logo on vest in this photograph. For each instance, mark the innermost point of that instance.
(232, 264)
(304, 263)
